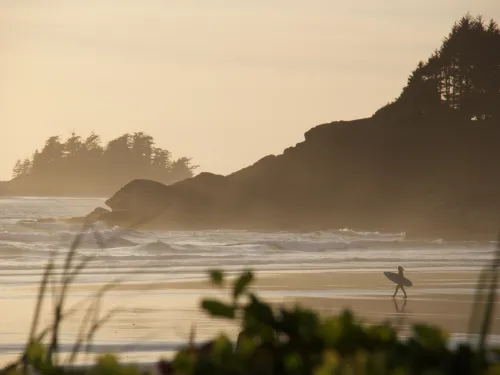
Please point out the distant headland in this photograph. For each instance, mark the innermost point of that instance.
(83, 167)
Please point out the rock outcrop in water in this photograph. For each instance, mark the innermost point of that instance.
(90, 218)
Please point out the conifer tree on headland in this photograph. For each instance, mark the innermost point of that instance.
(84, 161)
(462, 78)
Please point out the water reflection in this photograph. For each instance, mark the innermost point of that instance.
(400, 316)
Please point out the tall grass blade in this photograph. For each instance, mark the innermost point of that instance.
(492, 278)
(40, 297)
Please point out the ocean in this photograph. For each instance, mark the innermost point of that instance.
(25, 248)
(143, 257)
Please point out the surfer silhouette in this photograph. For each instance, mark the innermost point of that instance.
(400, 272)
(400, 280)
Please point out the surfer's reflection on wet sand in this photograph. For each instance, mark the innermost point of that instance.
(400, 316)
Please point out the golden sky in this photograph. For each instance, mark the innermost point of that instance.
(225, 82)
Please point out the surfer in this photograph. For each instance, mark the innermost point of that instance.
(401, 277)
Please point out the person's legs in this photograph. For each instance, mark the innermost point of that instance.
(396, 291)
(404, 291)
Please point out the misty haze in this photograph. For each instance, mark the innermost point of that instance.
(249, 188)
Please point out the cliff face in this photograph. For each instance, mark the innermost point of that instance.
(430, 179)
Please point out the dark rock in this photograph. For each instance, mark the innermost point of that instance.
(128, 197)
(96, 215)
(186, 204)
(366, 174)
(475, 217)
(92, 217)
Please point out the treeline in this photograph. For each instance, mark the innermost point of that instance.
(83, 163)
(462, 78)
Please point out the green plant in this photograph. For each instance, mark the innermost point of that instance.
(297, 341)
(40, 355)
(43, 357)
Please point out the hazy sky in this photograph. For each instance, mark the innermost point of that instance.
(225, 82)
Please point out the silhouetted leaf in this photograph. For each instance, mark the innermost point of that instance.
(494, 370)
(260, 311)
(108, 364)
(293, 362)
(430, 337)
(330, 363)
(217, 277)
(246, 346)
(219, 309)
(308, 324)
(242, 283)
(222, 350)
(330, 331)
(381, 334)
(183, 363)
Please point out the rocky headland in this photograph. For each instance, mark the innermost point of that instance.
(426, 164)
(430, 180)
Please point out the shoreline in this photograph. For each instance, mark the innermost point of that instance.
(154, 318)
(442, 298)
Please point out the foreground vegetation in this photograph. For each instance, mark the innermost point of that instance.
(292, 341)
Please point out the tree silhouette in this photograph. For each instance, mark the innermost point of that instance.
(81, 165)
(26, 167)
(462, 77)
(17, 170)
(180, 168)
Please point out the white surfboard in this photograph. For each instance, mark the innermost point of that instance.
(396, 278)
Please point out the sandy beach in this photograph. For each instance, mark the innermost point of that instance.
(441, 298)
(155, 318)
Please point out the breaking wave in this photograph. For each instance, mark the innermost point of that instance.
(28, 244)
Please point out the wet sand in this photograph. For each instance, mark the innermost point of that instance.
(153, 319)
(440, 298)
